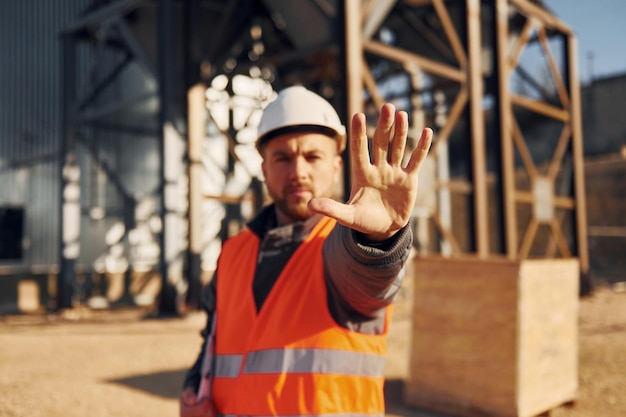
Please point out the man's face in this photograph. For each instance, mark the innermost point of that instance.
(298, 167)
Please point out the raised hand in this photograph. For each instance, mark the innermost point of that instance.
(383, 192)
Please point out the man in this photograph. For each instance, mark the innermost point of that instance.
(301, 297)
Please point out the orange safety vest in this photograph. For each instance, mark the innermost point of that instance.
(291, 358)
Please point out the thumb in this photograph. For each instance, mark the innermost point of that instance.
(343, 213)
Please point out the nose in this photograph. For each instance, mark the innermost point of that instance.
(299, 167)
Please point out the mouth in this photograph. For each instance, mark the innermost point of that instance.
(299, 192)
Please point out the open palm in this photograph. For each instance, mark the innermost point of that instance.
(383, 192)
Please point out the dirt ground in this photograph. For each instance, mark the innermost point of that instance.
(120, 363)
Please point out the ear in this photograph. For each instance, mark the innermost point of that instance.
(263, 168)
(337, 165)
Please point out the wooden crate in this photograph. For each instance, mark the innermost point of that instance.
(493, 338)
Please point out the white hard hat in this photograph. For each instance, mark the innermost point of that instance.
(298, 109)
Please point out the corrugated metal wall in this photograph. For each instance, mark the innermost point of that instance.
(119, 169)
(29, 118)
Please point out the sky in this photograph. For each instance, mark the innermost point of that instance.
(600, 27)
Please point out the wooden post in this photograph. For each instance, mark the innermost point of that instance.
(577, 154)
(506, 139)
(354, 58)
(353, 47)
(477, 128)
(196, 120)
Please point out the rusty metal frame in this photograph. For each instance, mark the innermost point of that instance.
(568, 112)
(467, 73)
(469, 77)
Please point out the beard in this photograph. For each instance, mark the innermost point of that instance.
(296, 212)
(294, 207)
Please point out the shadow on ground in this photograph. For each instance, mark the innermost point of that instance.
(168, 385)
(394, 402)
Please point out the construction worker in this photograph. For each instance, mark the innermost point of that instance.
(301, 297)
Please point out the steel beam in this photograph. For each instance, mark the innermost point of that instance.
(102, 14)
(69, 174)
(135, 47)
(168, 258)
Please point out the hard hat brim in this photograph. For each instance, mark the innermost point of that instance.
(286, 130)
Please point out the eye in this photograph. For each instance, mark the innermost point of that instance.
(313, 157)
(281, 158)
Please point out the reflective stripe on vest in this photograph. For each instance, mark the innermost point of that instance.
(321, 361)
(308, 415)
(227, 366)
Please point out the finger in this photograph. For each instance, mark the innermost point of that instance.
(421, 151)
(343, 213)
(398, 144)
(358, 141)
(383, 134)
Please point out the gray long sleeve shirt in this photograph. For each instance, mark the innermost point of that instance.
(362, 278)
